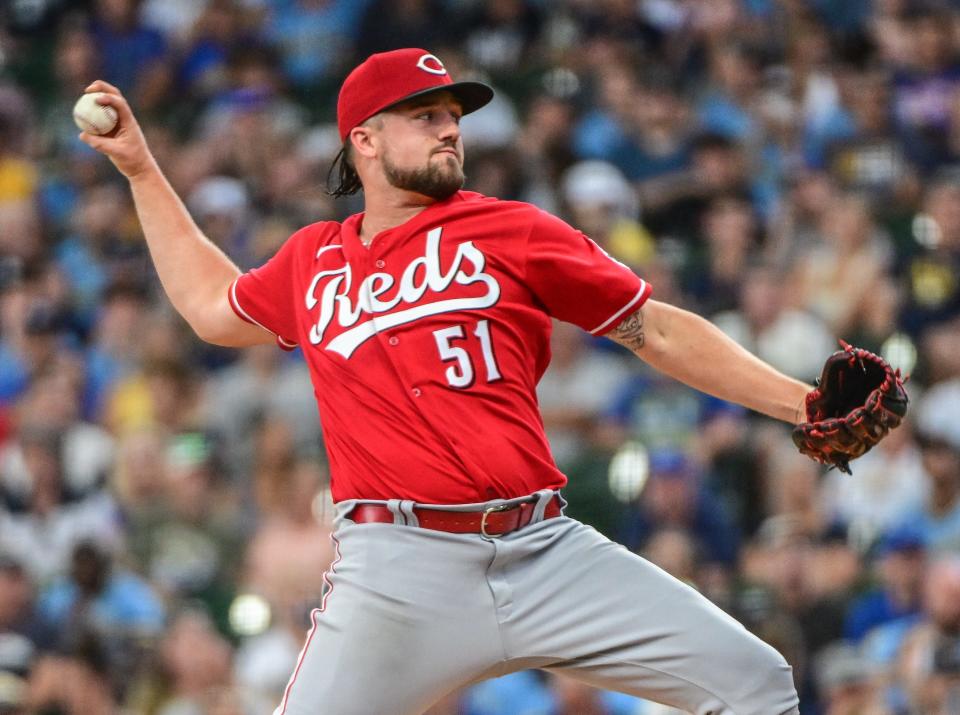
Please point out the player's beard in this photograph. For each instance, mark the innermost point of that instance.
(438, 179)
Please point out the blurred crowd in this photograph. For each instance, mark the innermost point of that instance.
(788, 168)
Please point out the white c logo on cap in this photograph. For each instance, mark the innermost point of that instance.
(439, 69)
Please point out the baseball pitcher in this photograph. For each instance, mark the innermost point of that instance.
(425, 322)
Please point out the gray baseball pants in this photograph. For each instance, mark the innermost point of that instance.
(412, 614)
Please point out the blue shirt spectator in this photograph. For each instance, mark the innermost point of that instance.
(675, 497)
(14, 374)
(315, 37)
(113, 600)
(599, 136)
(127, 48)
(900, 566)
(527, 693)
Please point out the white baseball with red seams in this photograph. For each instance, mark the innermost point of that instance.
(93, 117)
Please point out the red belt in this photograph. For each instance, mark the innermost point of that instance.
(492, 521)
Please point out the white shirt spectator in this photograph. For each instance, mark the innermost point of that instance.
(796, 343)
(264, 662)
(579, 384)
(44, 544)
(88, 453)
(890, 485)
(938, 411)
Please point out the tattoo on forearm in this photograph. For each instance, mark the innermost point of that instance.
(630, 332)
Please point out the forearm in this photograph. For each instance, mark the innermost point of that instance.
(194, 272)
(692, 350)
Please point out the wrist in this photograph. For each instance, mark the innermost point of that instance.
(147, 172)
(800, 414)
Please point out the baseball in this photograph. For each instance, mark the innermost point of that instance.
(92, 117)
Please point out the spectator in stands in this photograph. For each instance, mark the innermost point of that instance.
(392, 25)
(858, 143)
(315, 37)
(20, 229)
(795, 228)
(730, 235)
(32, 342)
(543, 143)
(285, 564)
(900, 565)
(725, 108)
(23, 631)
(572, 697)
(674, 204)
(874, 327)
(674, 551)
(792, 340)
(75, 683)
(190, 546)
(77, 57)
(836, 277)
(291, 548)
(790, 493)
(925, 89)
(887, 30)
(44, 533)
(646, 137)
(221, 27)
(938, 410)
(931, 265)
(114, 350)
(890, 487)
(105, 607)
(607, 131)
(102, 248)
(135, 57)
(577, 386)
(138, 477)
(603, 204)
(732, 453)
(194, 666)
(847, 682)
(498, 35)
(939, 517)
(20, 222)
(264, 384)
(808, 580)
(674, 497)
(936, 633)
(162, 395)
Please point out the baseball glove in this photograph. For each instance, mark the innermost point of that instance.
(858, 399)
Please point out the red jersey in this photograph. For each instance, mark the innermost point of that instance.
(426, 346)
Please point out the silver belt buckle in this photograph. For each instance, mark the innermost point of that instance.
(490, 510)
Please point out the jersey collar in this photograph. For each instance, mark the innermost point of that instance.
(350, 230)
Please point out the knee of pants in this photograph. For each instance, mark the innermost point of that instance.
(765, 683)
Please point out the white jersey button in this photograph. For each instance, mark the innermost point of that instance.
(394, 340)
(416, 392)
(380, 263)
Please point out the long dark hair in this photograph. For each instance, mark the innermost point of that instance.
(348, 181)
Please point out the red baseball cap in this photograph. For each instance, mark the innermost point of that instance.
(388, 78)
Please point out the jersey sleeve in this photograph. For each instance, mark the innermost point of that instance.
(264, 296)
(576, 280)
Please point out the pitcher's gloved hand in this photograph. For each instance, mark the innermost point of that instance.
(859, 398)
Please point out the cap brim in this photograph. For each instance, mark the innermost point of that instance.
(471, 95)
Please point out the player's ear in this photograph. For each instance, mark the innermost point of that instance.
(364, 141)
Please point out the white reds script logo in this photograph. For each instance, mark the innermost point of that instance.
(330, 290)
(438, 67)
